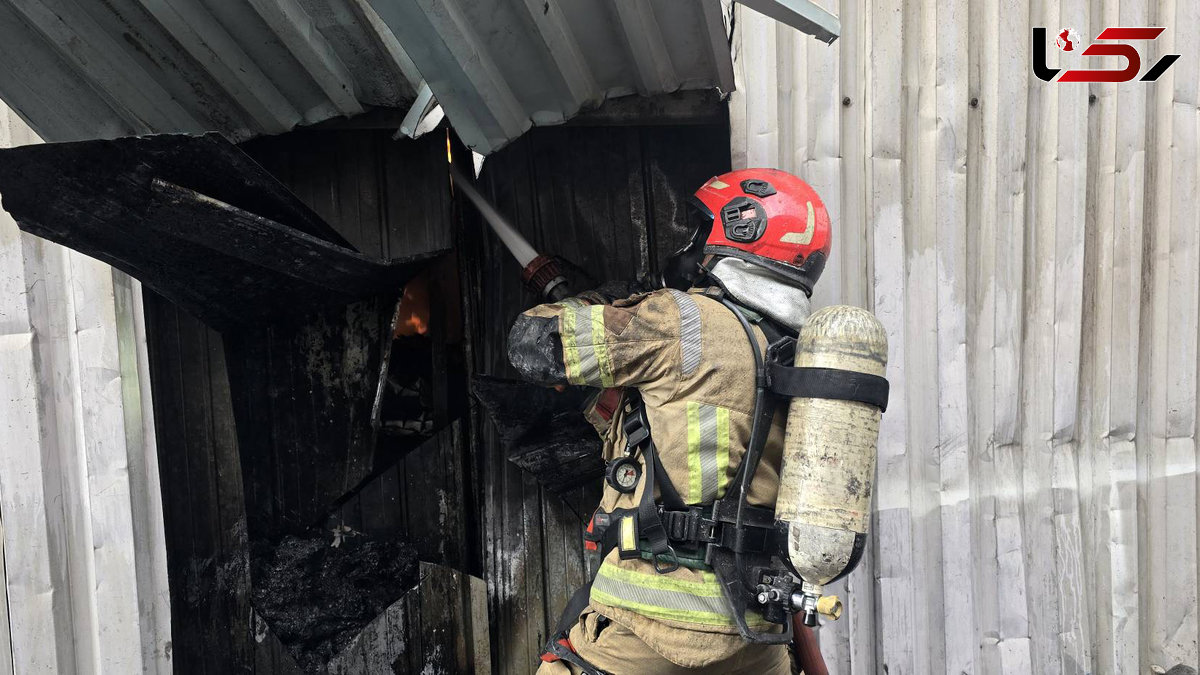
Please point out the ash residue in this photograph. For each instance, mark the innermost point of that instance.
(316, 598)
(543, 431)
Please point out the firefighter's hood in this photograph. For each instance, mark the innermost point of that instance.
(763, 291)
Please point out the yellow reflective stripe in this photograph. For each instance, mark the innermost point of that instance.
(603, 362)
(570, 349)
(707, 586)
(585, 352)
(655, 612)
(666, 596)
(628, 536)
(693, 440)
(708, 452)
(722, 450)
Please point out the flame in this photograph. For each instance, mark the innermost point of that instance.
(412, 315)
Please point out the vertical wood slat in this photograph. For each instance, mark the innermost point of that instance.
(1033, 250)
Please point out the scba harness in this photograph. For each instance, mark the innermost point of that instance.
(742, 544)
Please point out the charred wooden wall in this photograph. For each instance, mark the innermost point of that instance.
(609, 199)
(225, 483)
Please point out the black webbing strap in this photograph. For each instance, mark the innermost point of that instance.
(668, 493)
(650, 527)
(697, 527)
(832, 383)
(575, 606)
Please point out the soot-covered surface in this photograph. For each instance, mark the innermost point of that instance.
(317, 597)
(543, 431)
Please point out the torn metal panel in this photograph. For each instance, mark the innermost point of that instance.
(500, 68)
(803, 15)
(195, 219)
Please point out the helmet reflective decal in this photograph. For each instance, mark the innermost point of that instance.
(803, 238)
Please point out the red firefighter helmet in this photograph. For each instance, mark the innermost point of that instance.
(767, 217)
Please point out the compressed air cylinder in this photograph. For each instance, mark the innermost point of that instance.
(829, 449)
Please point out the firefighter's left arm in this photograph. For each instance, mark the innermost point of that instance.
(601, 344)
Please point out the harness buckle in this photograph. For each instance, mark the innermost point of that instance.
(637, 430)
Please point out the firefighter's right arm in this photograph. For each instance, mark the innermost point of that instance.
(622, 343)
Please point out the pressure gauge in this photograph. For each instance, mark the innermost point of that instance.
(623, 474)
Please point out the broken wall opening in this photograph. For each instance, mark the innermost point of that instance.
(297, 535)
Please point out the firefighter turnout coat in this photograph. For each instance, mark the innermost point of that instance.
(690, 358)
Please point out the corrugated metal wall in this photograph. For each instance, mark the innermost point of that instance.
(83, 562)
(1032, 249)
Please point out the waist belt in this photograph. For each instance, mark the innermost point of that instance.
(689, 531)
(696, 527)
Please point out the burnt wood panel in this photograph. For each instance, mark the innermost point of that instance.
(303, 431)
(303, 394)
(196, 220)
(202, 494)
(609, 200)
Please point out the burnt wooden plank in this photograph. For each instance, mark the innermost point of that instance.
(439, 627)
(165, 355)
(543, 431)
(206, 547)
(201, 484)
(118, 173)
(312, 264)
(235, 568)
(415, 181)
(270, 656)
(433, 496)
(181, 214)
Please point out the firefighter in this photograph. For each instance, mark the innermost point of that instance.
(680, 364)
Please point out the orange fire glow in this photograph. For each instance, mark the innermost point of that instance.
(413, 312)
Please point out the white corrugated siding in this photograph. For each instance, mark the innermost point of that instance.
(1034, 256)
(83, 579)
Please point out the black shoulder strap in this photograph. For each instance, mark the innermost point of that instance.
(833, 383)
(650, 526)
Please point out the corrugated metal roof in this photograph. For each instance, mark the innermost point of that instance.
(498, 68)
(78, 70)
